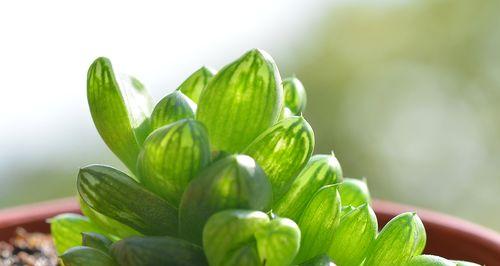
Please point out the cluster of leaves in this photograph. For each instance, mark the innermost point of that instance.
(222, 173)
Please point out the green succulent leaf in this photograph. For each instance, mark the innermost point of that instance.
(118, 196)
(67, 229)
(354, 192)
(114, 229)
(400, 240)
(318, 222)
(97, 241)
(241, 101)
(172, 108)
(346, 210)
(320, 260)
(278, 241)
(295, 95)
(194, 85)
(152, 251)
(248, 238)
(120, 107)
(429, 260)
(172, 156)
(233, 182)
(282, 151)
(321, 170)
(84, 256)
(352, 238)
(464, 263)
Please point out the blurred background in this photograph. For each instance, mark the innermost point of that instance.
(407, 93)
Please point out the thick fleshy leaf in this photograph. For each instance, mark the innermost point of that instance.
(400, 240)
(115, 194)
(465, 263)
(194, 85)
(172, 108)
(114, 229)
(321, 170)
(97, 241)
(153, 251)
(248, 238)
(282, 151)
(295, 95)
(67, 229)
(352, 238)
(278, 242)
(354, 192)
(429, 260)
(120, 107)
(241, 101)
(320, 260)
(85, 256)
(172, 156)
(318, 222)
(233, 182)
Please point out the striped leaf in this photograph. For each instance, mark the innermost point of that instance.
(114, 229)
(120, 107)
(97, 241)
(429, 260)
(194, 85)
(118, 196)
(172, 108)
(248, 238)
(352, 238)
(172, 156)
(233, 182)
(354, 192)
(241, 101)
(317, 223)
(84, 256)
(400, 240)
(153, 251)
(295, 95)
(282, 151)
(320, 260)
(321, 170)
(66, 230)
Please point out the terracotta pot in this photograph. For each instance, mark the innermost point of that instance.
(446, 236)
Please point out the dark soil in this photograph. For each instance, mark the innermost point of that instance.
(33, 249)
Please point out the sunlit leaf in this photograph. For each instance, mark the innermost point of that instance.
(429, 260)
(241, 101)
(352, 238)
(321, 170)
(320, 260)
(172, 108)
(194, 85)
(282, 151)
(153, 251)
(233, 182)
(248, 238)
(66, 230)
(120, 107)
(354, 192)
(172, 156)
(113, 228)
(318, 221)
(85, 256)
(400, 240)
(97, 241)
(118, 196)
(295, 95)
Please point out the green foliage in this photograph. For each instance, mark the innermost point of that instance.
(202, 184)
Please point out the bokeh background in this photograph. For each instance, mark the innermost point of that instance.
(407, 93)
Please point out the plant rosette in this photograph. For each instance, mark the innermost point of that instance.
(221, 172)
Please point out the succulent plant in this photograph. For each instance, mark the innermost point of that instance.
(221, 172)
